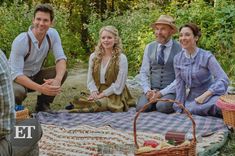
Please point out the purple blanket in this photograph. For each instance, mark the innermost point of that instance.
(154, 122)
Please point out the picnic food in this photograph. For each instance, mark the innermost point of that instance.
(164, 148)
(151, 143)
(144, 149)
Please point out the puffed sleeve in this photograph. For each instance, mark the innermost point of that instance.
(220, 85)
(180, 84)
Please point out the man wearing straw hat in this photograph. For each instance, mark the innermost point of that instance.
(157, 72)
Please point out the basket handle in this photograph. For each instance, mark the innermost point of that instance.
(164, 100)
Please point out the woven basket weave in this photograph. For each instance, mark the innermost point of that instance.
(22, 114)
(227, 104)
(180, 150)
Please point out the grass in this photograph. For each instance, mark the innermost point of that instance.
(229, 148)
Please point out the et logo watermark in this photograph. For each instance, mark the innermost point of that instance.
(23, 132)
(26, 132)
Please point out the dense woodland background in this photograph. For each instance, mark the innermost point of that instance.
(79, 21)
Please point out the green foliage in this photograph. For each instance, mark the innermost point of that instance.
(17, 18)
(71, 40)
(217, 26)
(134, 33)
(229, 149)
(216, 23)
(132, 18)
(14, 20)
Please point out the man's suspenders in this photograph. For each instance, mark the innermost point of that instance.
(29, 43)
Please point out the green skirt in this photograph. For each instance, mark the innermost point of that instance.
(113, 103)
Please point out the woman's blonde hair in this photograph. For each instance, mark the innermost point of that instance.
(117, 48)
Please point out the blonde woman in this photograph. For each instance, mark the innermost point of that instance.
(107, 75)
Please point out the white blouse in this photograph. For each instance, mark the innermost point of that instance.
(116, 87)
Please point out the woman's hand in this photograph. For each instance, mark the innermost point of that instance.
(101, 95)
(93, 96)
(201, 99)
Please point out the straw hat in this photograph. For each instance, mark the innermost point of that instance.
(165, 19)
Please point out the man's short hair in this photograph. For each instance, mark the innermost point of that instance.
(44, 8)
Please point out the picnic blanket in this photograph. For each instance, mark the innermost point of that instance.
(87, 140)
(154, 122)
(112, 133)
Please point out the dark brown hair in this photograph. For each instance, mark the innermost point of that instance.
(195, 29)
(44, 8)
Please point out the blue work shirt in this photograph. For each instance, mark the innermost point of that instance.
(33, 63)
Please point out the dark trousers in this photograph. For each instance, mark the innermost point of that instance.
(163, 107)
(47, 73)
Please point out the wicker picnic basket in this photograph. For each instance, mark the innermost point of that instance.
(22, 114)
(180, 150)
(227, 104)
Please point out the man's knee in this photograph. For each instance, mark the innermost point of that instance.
(5, 147)
(165, 107)
(19, 92)
(141, 102)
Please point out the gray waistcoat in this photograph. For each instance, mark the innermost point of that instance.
(162, 75)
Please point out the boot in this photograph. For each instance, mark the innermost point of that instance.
(42, 104)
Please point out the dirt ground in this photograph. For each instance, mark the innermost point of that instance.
(75, 82)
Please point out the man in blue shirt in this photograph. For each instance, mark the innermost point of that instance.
(29, 50)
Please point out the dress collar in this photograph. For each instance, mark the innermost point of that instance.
(186, 54)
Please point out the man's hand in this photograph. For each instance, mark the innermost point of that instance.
(48, 89)
(53, 82)
(149, 94)
(156, 95)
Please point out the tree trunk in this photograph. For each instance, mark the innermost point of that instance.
(112, 7)
(84, 17)
(103, 8)
(45, 1)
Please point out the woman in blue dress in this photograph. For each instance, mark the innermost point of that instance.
(200, 80)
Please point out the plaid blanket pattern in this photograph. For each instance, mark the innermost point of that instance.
(154, 122)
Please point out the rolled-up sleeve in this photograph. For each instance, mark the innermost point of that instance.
(179, 85)
(118, 86)
(145, 71)
(56, 46)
